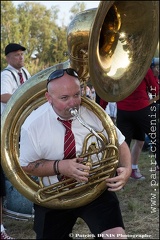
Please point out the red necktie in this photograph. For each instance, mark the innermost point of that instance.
(21, 77)
(69, 141)
(69, 145)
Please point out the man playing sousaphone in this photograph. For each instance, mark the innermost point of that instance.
(43, 151)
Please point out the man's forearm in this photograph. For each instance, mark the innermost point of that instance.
(5, 97)
(40, 168)
(124, 156)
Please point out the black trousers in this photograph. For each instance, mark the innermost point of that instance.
(2, 188)
(147, 120)
(101, 214)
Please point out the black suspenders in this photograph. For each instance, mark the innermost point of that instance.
(15, 76)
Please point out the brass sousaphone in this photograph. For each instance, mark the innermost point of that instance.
(112, 47)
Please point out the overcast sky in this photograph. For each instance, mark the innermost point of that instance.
(64, 7)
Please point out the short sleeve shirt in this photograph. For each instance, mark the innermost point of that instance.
(9, 84)
(42, 136)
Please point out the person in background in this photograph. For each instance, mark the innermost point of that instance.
(93, 94)
(101, 101)
(111, 110)
(14, 74)
(135, 111)
(147, 143)
(4, 235)
(138, 138)
(43, 154)
(88, 92)
(12, 77)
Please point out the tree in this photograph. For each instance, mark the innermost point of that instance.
(34, 26)
(9, 27)
(77, 7)
(42, 29)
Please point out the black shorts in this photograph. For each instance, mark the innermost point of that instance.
(2, 191)
(146, 119)
(138, 134)
(101, 214)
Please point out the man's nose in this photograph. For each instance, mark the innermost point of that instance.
(72, 102)
(21, 57)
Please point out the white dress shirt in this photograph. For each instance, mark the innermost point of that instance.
(42, 136)
(9, 84)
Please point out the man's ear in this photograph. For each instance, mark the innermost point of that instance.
(47, 95)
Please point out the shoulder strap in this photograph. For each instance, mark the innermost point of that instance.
(15, 76)
(12, 74)
(25, 74)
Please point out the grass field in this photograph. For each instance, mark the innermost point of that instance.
(139, 202)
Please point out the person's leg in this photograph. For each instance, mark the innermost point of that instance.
(138, 142)
(125, 124)
(136, 151)
(2, 194)
(103, 216)
(147, 120)
(53, 223)
(135, 154)
(114, 233)
(146, 146)
(2, 227)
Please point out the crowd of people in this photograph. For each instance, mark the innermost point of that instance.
(43, 150)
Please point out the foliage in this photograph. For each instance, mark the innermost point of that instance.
(78, 7)
(34, 26)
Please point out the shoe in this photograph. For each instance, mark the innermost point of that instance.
(137, 175)
(5, 236)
